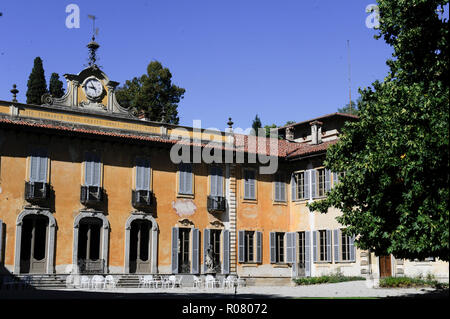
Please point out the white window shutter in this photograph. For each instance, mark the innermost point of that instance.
(219, 181)
(293, 187)
(34, 168)
(337, 237)
(314, 235)
(328, 245)
(307, 253)
(306, 184)
(313, 183)
(327, 180)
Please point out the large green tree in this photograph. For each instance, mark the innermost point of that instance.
(152, 93)
(56, 87)
(37, 86)
(395, 192)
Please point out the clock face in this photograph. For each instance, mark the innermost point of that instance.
(93, 88)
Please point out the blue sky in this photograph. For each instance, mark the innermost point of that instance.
(283, 60)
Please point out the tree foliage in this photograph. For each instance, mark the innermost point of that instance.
(152, 93)
(256, 124)
(350, 110)
(395, 192)
(36, 86)
(56, 86)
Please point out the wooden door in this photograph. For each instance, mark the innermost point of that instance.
(385, 266)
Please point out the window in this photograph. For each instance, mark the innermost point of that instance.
(142, 174)
(345, 247)
(301, 250)
(322, 245)
(250, 246)
(280, 188)
(277, 247)
(249, 184)
(92, 170)
(216, 181)
(38, 166)
(183, 253)
(321, 182)
(185, 179)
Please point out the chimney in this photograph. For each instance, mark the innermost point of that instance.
(290, 133)
(316, 132)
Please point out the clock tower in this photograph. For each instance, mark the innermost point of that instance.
(90, 90)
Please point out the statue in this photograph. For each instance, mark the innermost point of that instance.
(209, 261)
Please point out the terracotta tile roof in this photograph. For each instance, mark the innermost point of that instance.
(242, 143)
(350, 116)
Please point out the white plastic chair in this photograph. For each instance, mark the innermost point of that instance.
(241, 282)
(197, 282)
(109, 280)
(173, 281)
(97, 281)
(70, 282)
(148, 280)
(229, 281)
(141, 282)
(210, 280)
(85, 282)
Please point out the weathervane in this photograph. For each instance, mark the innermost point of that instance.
(93, 46)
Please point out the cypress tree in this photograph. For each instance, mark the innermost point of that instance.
(55, 86)
(36, 83)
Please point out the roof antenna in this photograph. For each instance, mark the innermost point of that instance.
(349, 75)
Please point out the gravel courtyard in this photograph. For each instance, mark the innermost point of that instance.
(355, 289)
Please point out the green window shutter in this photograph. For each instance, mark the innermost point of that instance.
(175, 240)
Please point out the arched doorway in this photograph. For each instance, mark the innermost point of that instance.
(89, 245)
(33, 252)
(35, 242)
(90, 242)
(140, 245)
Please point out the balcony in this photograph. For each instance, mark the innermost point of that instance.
(141, 199)
(216, 204)
(91, 195)
(37, 192)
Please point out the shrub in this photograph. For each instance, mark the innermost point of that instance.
(408, 282)
(332, 278)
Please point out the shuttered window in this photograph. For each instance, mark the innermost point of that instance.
(279, 188)
(322, 252)
(185, 181)
(277, 247)
(92, 170)
(142, 174)
(38, 166)
(249, 184)
(249, 246)
(216, 181)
